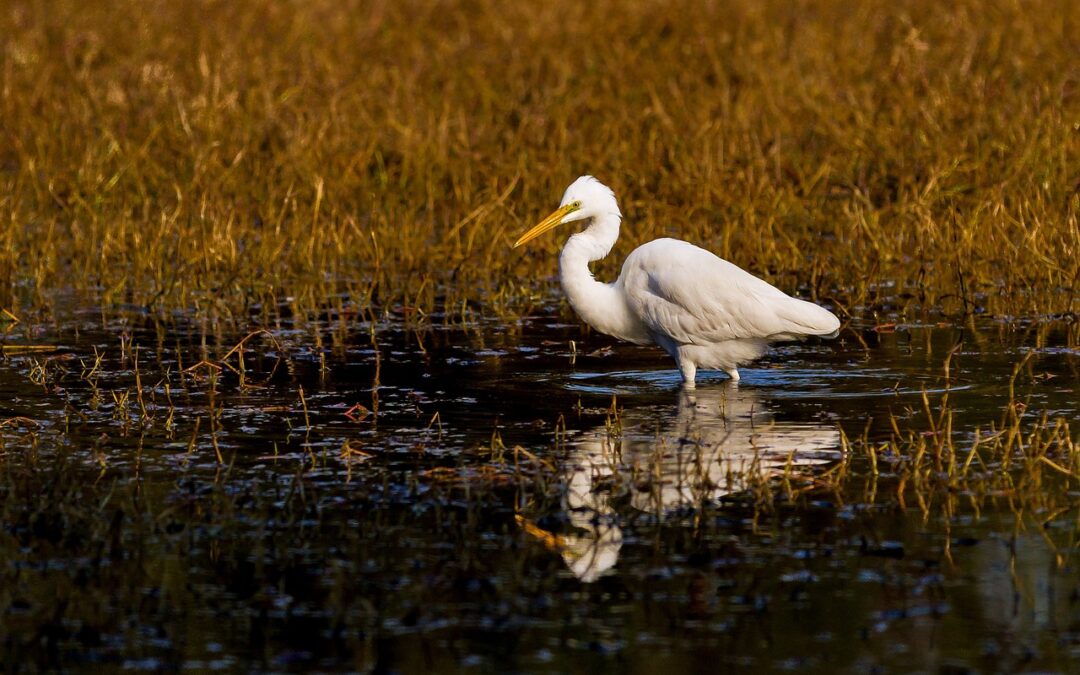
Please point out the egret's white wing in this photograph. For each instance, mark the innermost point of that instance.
(694, 297)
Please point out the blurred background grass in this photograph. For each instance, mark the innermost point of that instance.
(194, 154)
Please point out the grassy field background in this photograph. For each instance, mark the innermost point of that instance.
(228, 440)
(191, 154)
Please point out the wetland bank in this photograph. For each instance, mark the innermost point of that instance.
(275, 394)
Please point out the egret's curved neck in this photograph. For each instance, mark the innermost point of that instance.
(600, 305)
(594, 242)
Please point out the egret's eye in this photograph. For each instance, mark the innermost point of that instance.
(577, 204)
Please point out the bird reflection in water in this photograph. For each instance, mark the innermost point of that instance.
(719, 442)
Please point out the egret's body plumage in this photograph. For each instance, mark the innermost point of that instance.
(702, 310)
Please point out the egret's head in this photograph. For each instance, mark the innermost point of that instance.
(586, 198)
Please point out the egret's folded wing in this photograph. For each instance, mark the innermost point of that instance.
(691, 295)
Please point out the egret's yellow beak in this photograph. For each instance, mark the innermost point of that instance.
(548, 223)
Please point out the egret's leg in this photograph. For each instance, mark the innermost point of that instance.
(734, 374)
(689, 372)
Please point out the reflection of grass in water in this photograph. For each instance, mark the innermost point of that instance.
(1029, 467)
(1021, 462)
(225, 155)
(1012, 459)
(310, 540)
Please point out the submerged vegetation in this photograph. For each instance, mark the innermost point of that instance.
(276, 394)
(215, 156)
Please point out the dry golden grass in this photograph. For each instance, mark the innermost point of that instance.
(215, 154)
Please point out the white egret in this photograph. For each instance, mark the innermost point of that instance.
(702, 310)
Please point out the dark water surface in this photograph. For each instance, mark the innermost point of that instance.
(505, 500)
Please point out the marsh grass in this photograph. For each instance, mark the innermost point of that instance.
(249, 191)
(224, 157)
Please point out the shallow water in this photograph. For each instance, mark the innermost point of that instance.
(520, 497)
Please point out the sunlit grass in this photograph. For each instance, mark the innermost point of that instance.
(226, 156)
(258, 195)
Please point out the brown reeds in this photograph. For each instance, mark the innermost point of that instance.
(222, 156)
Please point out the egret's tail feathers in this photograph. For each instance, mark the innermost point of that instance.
(806, 318)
